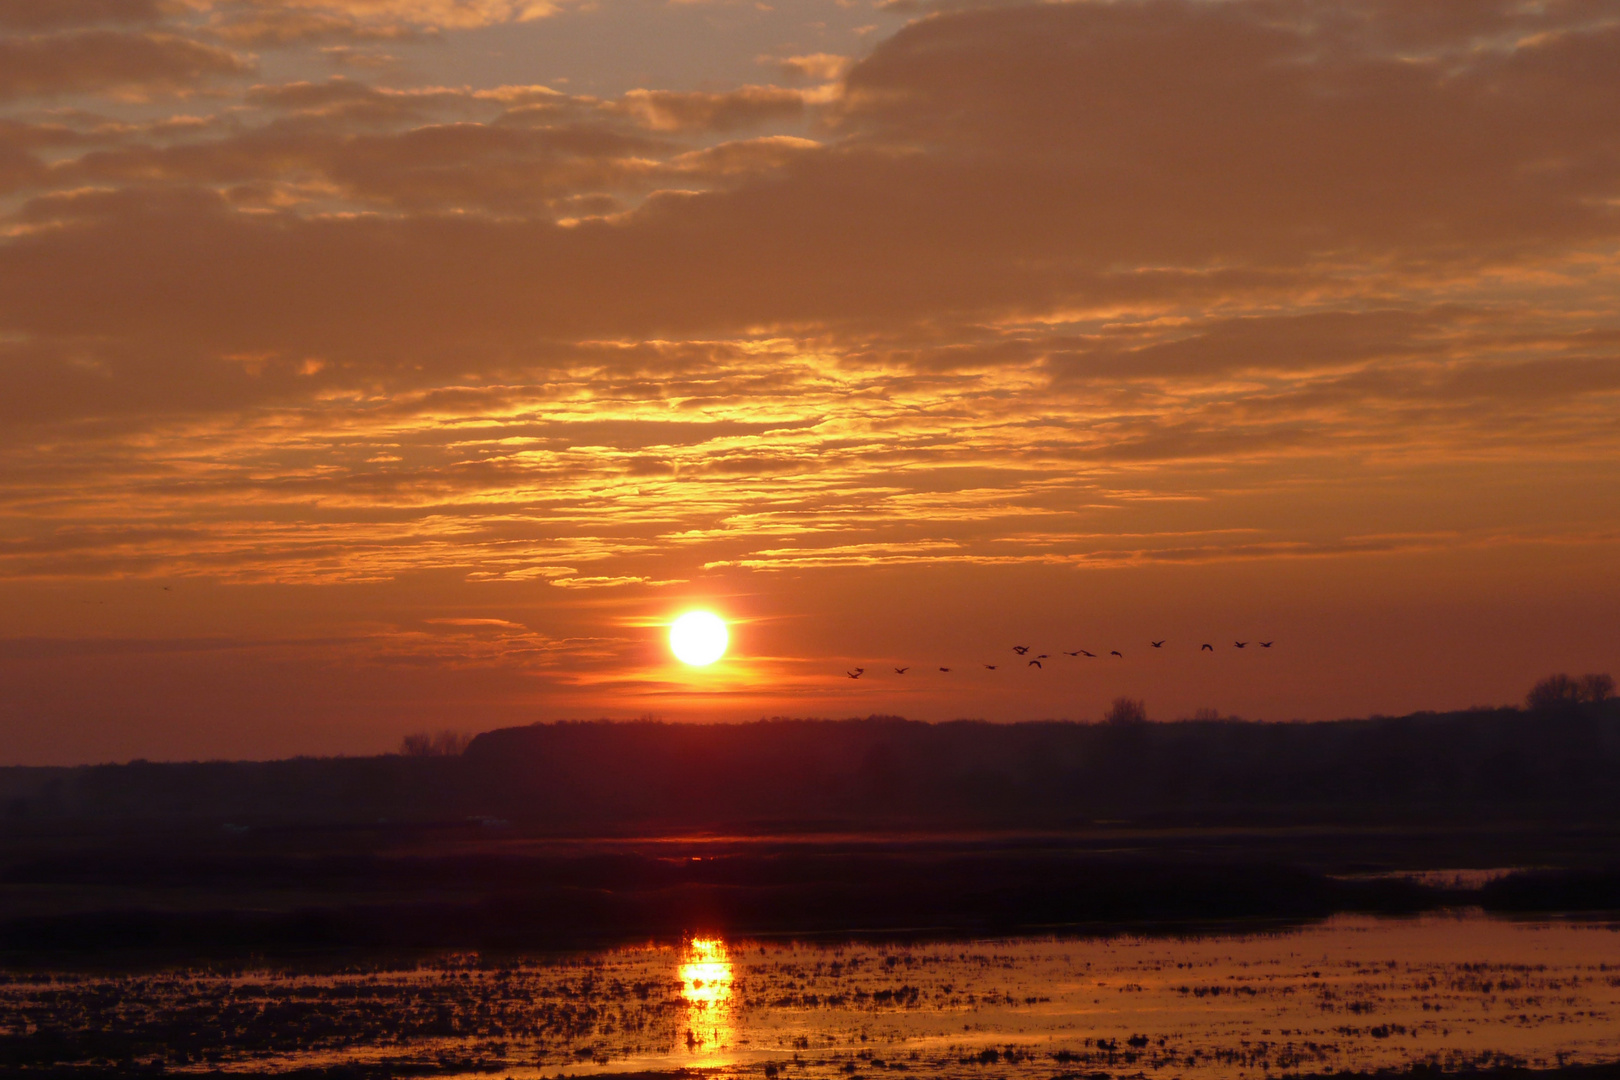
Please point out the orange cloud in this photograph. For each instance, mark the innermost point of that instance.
(1150, 287)
(109, 60)
(818, 67)
(32, 16)
(750, 106)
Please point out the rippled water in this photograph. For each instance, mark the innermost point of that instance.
(1351, 993)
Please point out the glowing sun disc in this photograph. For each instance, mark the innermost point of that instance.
(698, 638)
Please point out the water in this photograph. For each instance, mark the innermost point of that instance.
(1351, 993)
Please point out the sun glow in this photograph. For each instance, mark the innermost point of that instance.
(706, 988)
(698, 638)
(706, 972)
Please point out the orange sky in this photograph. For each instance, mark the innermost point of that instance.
(380, 365)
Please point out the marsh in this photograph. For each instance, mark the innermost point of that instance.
(1351, 993)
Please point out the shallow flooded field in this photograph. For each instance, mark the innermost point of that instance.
(1351, 993)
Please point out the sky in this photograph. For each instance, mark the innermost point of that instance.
(378, 366)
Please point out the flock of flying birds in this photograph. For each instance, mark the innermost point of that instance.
(1035, 661)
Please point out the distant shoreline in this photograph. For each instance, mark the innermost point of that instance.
(880, 775)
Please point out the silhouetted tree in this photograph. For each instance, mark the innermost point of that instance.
(1126, 710)
(1553, 692)
(1597, 688)
(441, 744)
(1563, 692)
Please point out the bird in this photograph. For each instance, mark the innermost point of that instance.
(1239, 644)
(1076, 652)
(1267, 644)
(1158, 644)
(1035, 663)
(1093, 655)
(1207, 647)
(944, 669)
(857, 673)
(1116, 652)
(992, 667)
(1042, 656)
(1020, 649)
(901, 670)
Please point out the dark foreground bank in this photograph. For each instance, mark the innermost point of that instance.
(561, 836)
(108, 903)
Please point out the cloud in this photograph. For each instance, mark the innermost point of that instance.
(434, 149)
(38, 15)
(19, 167)
(342, 104)
(108, 60)
(1109, 154)
(1051, 286)
(433, 166)
(433, 392)
(1292, 342)
(740, 158)
(1189, 133)
(443, 14)
(278, 27)
(812, 67)
(749, 106)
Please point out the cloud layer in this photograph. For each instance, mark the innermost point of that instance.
(1065, 286)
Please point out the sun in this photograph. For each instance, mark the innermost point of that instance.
(698, 638)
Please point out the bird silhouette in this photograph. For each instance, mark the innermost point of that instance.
(1116, 652)
(1267, 644)
(1157, 644)
(1020, 649)
(901, 670)
(1239, 644)
(992, 667)
(1093, 655)
(1206, 647)
(944, 669)
(857, 673)
(1076, 652)
(1042, 656)
(1035, 663)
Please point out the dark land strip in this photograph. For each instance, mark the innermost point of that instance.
(570, 835)
(883, 774)
(105, 906)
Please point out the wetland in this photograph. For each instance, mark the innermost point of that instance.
(1455, 991)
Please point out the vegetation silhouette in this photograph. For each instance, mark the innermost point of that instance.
(1126, 710)
(438, 744)
(1555, 759)
(562, 834)
(1560, 692)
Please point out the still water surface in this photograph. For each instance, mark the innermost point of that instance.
(1350, 993)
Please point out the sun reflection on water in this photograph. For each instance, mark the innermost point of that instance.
(706, 989)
